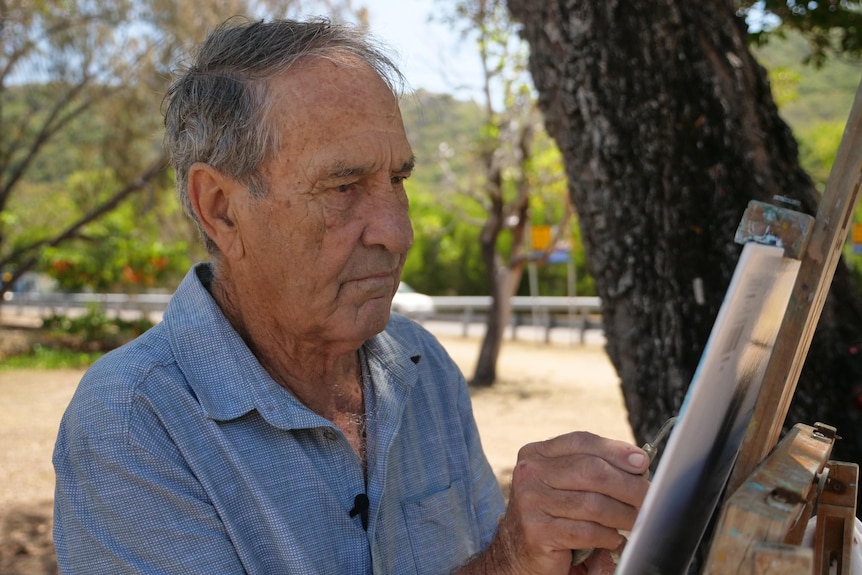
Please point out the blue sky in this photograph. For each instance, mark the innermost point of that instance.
(430, 54)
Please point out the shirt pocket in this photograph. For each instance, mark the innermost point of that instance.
(442, 530)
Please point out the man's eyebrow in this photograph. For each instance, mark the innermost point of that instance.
(341, 170)
(407, 166)
(345, 171)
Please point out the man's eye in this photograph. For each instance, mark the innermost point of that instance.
(396, 180)
(344, 188)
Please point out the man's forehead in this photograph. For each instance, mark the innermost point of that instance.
(317, 81)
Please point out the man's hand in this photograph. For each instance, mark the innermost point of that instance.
(571, 492)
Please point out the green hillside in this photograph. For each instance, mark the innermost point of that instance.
(431, 119)
(814, 95)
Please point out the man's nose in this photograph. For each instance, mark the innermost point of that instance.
(387, 220)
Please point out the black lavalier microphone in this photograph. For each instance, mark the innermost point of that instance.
(360, 507)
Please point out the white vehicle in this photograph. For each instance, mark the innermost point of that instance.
(412, 303)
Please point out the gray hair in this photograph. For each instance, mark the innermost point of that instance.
(217, 110)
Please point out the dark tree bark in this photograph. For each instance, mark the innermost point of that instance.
(668, 128)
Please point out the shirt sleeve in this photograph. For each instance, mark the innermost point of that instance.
(123, 508)
(489, 503)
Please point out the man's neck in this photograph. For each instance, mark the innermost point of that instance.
(330, 384)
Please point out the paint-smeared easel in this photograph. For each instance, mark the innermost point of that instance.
(775, 487)
(762, 525)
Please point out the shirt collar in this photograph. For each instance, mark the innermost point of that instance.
(227, 378)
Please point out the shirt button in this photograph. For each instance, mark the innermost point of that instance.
(329, 434)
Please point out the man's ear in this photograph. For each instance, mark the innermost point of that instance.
(214, 197)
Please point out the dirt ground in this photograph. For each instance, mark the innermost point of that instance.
(543, 391)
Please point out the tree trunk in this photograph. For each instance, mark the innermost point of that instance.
(486, 364)
(668, 128)
(503, 287)
(503, 280)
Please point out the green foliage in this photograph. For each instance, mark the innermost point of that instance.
(76, 341)
(830, 28)
(814, 101)
(805, 95)
(148, 243)
(818, 145)
(81, 85)
(69, 71)
(445, 254)
(817, 111)
(445, 258)
(27, 107)
(785, 82)
(498, 174)
(120, 252)
(435, 121)
(47, 357)
(95, 329)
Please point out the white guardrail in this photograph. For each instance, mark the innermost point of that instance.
(548, 312)
(580, 313)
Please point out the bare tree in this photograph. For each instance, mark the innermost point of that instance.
(507, 179)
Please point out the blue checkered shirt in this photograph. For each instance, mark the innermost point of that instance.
(179, 454)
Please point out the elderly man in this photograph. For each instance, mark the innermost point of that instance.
(279, 420)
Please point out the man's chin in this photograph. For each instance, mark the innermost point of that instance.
(372, 316)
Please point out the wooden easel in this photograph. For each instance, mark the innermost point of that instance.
(772, 495)
(762, 524)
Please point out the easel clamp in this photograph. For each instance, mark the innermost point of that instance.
(774, 225)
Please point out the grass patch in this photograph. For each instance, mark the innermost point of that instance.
(45, 357)
(67, 342)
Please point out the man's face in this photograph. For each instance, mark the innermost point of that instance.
(323, 252)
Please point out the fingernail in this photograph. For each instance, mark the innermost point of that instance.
(637, 460)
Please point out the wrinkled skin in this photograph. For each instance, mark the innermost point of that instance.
(575, 491)
(307, 274)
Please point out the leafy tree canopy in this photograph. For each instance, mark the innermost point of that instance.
(832, 27)
(81, 84)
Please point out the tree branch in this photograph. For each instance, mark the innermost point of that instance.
(52, 125)
(30, 259)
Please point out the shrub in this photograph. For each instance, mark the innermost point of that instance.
(93, 331)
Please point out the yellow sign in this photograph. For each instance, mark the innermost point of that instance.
(856, 234)
(541, 237)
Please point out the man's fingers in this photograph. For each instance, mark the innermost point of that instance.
(575, 491)
(568, 534)
(580, 473)
(623, 455)
(553, 534)
(594, 509)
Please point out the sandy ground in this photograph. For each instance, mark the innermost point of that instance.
(543, 391)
